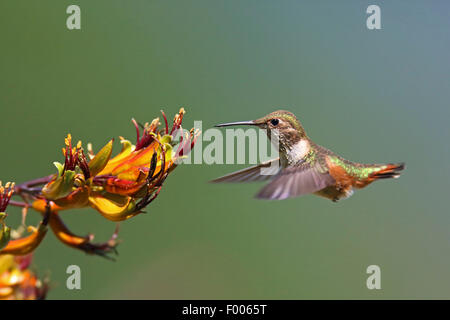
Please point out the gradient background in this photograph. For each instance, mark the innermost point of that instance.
(371, 96)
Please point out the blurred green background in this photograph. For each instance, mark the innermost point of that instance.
(371, 96)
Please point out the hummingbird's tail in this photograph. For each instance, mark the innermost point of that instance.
(388, 171)
(383, 171)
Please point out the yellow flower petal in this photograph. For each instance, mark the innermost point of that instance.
(138, 158)
(77, 199)
(6, 292)
(26, 245)
(6, 262)
(127, 149)
(114, 207)
(63, 233)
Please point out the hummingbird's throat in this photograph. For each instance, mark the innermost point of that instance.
(298, 151)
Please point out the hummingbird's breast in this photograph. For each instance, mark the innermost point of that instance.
(299, 150)
(296, 152)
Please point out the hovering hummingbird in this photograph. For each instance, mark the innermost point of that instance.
(304, 167)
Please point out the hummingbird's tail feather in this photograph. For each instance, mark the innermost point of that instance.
(390, 171)
(382, 171)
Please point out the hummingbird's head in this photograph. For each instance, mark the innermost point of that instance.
(282, 124)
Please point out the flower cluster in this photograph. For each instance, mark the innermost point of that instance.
(118, 187)
(5, 196)
(17, 281)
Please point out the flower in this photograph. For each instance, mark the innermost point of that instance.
(23, 245)
(118, 187)
(17, 282)
(5, 196)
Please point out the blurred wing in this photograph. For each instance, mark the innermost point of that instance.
(297, 181)
(261, 172)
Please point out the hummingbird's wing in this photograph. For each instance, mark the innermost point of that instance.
(296, 181)
(261, 172)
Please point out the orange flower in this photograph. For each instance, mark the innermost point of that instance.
(5, 196)
(17, 282)
(26, 245)
(118, 187)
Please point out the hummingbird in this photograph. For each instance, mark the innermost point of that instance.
(304, 167)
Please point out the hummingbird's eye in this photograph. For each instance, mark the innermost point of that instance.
(274, 122)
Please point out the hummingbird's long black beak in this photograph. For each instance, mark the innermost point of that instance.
(239, 123)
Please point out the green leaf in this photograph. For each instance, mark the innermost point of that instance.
(98, 163)
(61, 187)
(5, 235)
(166, 139)
(59, 167)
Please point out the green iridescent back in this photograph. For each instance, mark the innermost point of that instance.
(354, 169)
